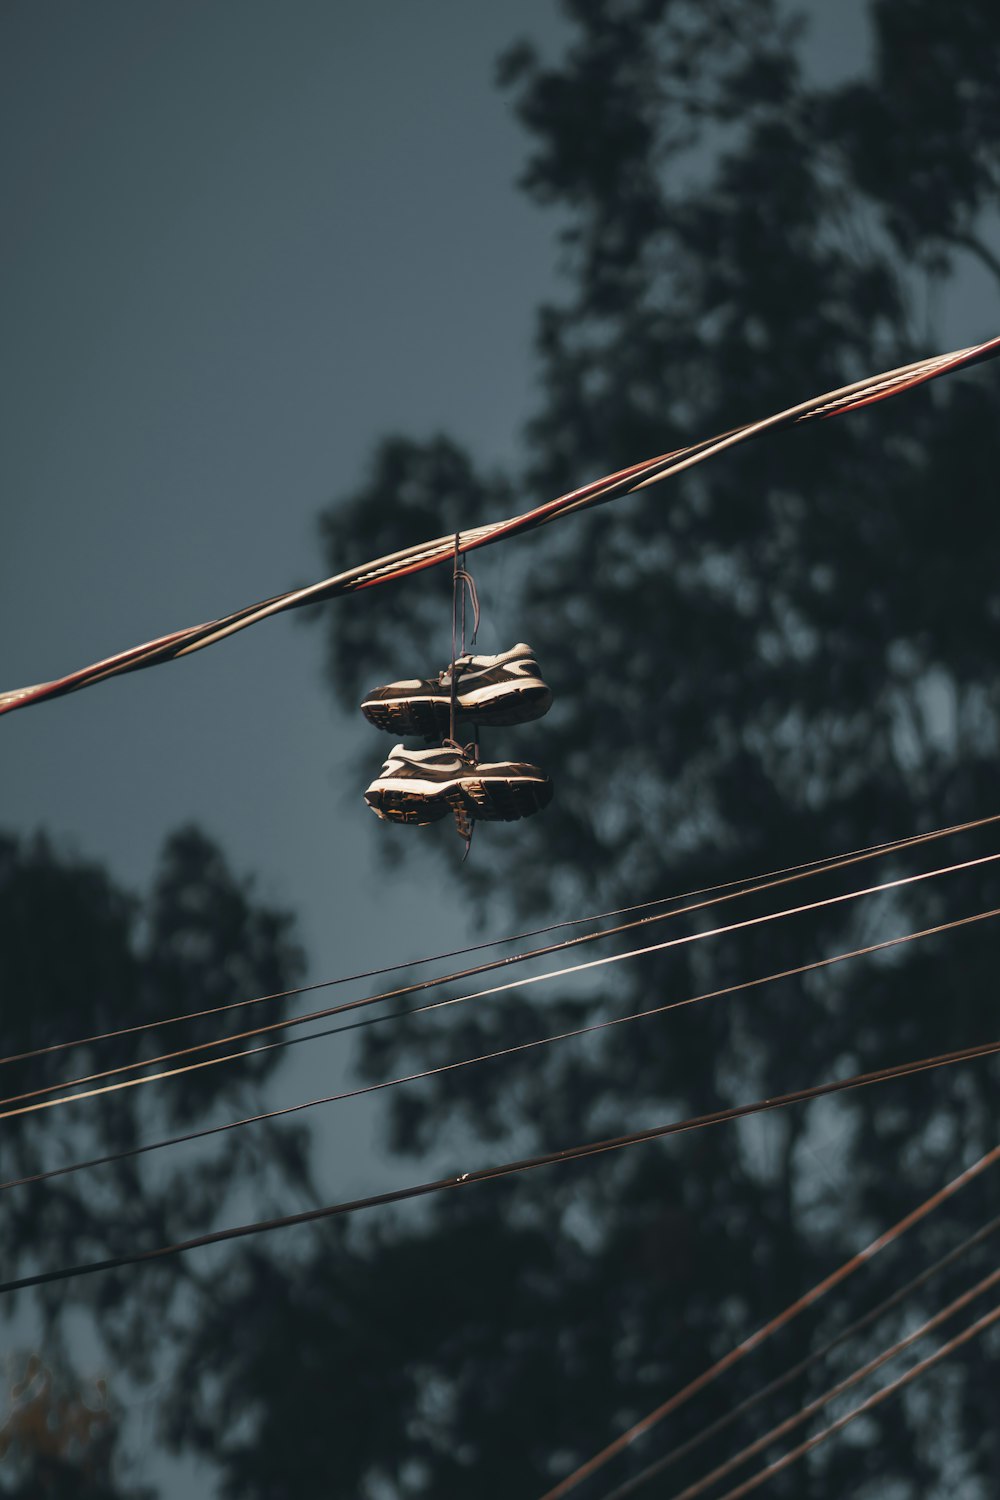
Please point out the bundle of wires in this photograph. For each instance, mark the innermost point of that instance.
(76, 1090)
(428, 554)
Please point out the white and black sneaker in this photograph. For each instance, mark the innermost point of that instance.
(421, 786)
(497, 690)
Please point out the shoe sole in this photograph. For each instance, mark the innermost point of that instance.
(491, 799)
(431, 717)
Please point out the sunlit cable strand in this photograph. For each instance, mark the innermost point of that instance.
(407, 561)
(774, 1325)
(286, 1022)
(527, 1164)
(392, 566)
(413, 559)
(973, 1331)
(849, 398)
(683, 1450)
(805, 1413)
(747, 885)
(371, 1088)
(182, 642)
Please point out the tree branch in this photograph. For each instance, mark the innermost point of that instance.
(975, 247)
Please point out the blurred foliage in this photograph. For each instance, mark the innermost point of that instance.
(786, 653)
(81, 956)
(59, 1438)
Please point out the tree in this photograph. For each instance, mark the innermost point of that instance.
(60, 1437)
(789, 652)
(81, 957)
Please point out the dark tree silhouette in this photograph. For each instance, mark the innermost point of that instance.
(80, 956)
(787, 653)
(59, 1439)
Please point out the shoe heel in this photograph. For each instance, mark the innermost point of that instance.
(513, 708)
(500, 801)
(408, 720)
(406, 807)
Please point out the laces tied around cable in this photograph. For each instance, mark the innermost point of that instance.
(463, 586)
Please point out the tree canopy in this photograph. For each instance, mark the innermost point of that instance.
(81, 957)
(784, 654)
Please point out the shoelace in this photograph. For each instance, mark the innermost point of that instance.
(464, 824)
(462, 582)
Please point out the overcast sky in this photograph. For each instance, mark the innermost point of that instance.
(241, 240)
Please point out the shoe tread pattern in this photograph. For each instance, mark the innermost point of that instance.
(406, 719)
(519, 706)
(406, 807)
(431, 720)
(495, 799)
(491, 799)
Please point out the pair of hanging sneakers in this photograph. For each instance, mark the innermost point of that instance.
(421, 786)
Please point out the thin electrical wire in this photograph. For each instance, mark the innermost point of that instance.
(808, 1299)
(424, 555)
(781, 1429)
(683, 1450)
(747, 885)
(371, 1088)
(527, 1164)
(973, 1331)
(40, 1093)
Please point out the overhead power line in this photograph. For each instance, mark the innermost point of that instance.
(973, 1331)
(41, 1093)
(465, 1062)
(415, 559)
(745, 886)
(683, 1450)
(691, 1491)
(553, 1158)
(774, 1325)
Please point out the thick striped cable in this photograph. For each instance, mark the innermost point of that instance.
(714, 1429)
(465, 1062)
(409, 560)
(561, 1157)
(414, 559)
(774, 1325)
(973, 1331)
(807, 1412)
(731, 889)
(41, 1095)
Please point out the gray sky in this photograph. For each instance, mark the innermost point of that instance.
(241, 240)
(246, 239)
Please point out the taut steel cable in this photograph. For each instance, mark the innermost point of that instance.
(40, 1093)
(779, 1321)
(410, 560)
(781, 1429)
(744, 886)
(973, 1331)
(554, 1158)
(794, 1371)
(371, 1088)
